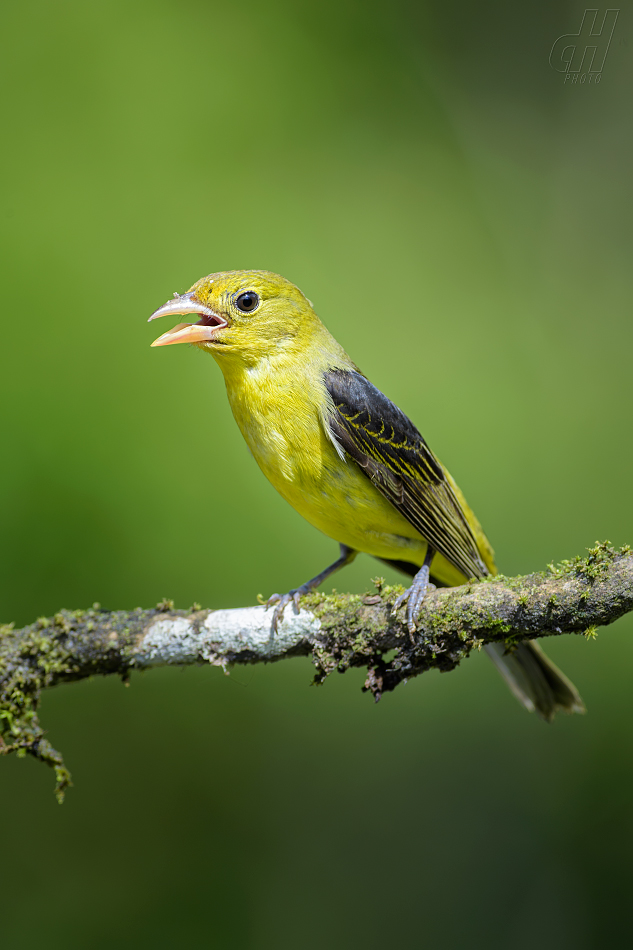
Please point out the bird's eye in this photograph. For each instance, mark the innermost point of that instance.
(247, 302)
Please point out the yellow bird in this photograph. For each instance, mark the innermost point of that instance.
(344, 456)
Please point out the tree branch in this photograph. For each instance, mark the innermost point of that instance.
(338, 631)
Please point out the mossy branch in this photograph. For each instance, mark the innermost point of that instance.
(338, 631)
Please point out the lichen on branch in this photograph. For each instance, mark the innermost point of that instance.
(338, 631)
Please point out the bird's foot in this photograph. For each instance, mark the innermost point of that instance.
(413, 597)
(281, 601)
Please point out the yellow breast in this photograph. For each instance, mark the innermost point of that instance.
(281, 419)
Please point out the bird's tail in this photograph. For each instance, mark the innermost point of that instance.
(535, 681)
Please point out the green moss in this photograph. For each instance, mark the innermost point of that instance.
(361, 630)
(360, 642)
(598, 560)
(49, 651)
(351, 629)
(496, 625)
(355, 630)
(25, 668)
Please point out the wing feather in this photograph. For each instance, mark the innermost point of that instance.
(392, 453)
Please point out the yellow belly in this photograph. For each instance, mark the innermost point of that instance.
(294, 452)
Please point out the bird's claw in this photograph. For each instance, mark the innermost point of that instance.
(281, 601)
(413, 597)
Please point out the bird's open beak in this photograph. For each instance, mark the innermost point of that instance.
(203, 329)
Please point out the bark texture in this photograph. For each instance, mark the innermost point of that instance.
(337, 631)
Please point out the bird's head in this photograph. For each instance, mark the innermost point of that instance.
(241, 315)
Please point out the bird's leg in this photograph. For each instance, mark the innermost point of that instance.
(415, 594)
(282, 600)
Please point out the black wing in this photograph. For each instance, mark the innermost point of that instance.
(392, 453)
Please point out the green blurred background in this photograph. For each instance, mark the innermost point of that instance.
(376, 154)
